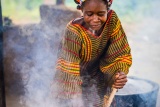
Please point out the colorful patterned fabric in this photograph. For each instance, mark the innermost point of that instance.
(87, 63)
(81, 1)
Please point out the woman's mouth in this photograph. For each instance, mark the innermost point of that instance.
(95, 27)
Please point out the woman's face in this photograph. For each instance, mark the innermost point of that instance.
(95, 14)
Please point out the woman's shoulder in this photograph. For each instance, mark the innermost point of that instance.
(113, 18)
(76, 21)
(74, 27)
(113, 15)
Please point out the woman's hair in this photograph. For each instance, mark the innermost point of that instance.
(81, 3)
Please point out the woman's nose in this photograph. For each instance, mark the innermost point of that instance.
(95, 18)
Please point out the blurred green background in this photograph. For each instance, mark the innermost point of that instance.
(27, 11)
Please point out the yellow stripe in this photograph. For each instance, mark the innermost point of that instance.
(68, 63)
(87, 40)
(68, 71)
(117, 29)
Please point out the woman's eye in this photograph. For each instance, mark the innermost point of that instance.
(100, 14)
(89, 14)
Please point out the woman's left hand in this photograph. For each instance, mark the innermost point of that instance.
(120, 80)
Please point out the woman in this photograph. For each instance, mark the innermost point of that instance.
(95, 56)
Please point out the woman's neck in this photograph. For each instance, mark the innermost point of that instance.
(82, 23)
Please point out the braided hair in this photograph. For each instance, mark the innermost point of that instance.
(81, 3)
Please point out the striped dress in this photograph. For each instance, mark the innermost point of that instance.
(87, 63)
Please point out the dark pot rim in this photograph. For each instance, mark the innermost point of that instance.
(155, 87)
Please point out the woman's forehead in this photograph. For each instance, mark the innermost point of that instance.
(98, 2)
(97, 5)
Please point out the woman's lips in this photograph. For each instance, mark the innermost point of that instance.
(95, 26)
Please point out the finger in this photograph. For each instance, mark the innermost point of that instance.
(121, 73)
(117, 75)
(122, 77)
(117, 87)
(119, 84)
(121, 80)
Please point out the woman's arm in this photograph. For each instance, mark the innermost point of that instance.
(67, 76)
(69, 58)
(118, 56)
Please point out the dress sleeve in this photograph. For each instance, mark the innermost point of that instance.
(67, 76)
(118, 55)
(69, 55)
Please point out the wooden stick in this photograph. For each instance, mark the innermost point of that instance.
(111, 97)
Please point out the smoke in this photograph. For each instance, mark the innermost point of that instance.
(31, 51)
(31, 56)
(41, 73)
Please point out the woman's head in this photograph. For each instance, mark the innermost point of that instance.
(81, 3)
(94, 12)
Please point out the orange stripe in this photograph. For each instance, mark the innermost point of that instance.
(73, 29)
(118, 38)
(69, 64)
(86, 40)
(68, 61)
(71, 52)
(108, 67)
(117, 51)
(73, 41)
(68, 71)
(89, 44)
(73, 66)
(110, 15)
(116, 30)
